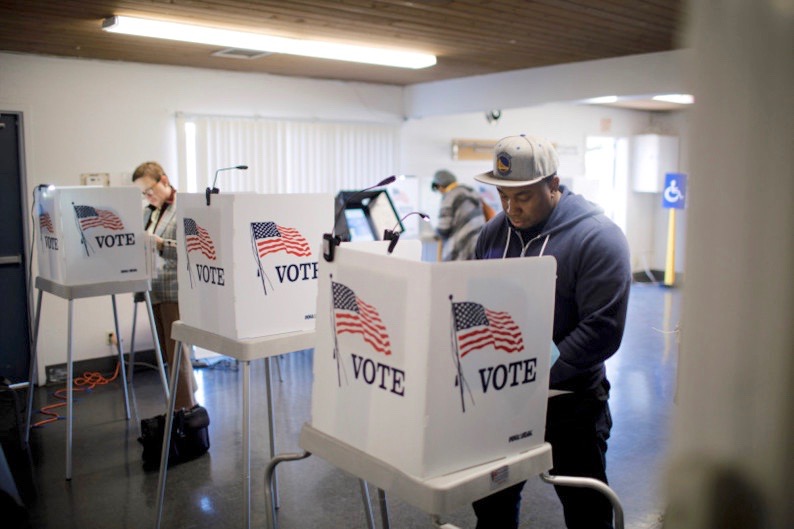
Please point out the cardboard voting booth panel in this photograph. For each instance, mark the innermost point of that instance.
(432, 367)
(90, 234)
(248, 262)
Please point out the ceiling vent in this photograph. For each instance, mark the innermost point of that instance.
(239, 53)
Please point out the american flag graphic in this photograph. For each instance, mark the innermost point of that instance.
(197, 239)
(477, 327)
(46, 222)
(354, 316)
(269, 237)
(91, 217)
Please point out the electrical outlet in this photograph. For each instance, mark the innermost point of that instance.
(111, 338)
(56, 374)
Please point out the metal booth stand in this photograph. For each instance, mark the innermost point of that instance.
(436, 496)
(244, 351)
(71, 293)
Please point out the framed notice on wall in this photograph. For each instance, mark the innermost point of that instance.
(467, 149)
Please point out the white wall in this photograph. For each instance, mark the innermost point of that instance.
(85, 116)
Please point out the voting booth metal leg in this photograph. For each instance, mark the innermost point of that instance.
(270, 505)
(271, 424)
(589, 483)
(384, 509)
(438, 524)
(368, 505)
(564, 481)
(69, 391)
(247, 442)
(120, 349)
(169, 420)
(33, 368)
(131, 366)
(158, 354)
(271, 522)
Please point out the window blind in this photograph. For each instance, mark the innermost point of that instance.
(285, 156)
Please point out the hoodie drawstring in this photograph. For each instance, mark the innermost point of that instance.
(525, 247)
(543, 248)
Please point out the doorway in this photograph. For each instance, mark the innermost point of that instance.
(606, 176)
(14, 301)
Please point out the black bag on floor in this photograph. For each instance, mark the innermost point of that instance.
(189, 437)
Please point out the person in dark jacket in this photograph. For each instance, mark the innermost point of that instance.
(542, 217)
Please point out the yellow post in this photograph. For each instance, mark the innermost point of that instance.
(669, 269)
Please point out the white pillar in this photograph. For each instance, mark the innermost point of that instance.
(732, 455)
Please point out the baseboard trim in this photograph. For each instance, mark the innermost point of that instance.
(656, 276)
(56, 373)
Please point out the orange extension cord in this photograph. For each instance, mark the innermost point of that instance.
(87, 382)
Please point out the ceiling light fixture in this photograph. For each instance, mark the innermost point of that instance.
(603, 100)
(681, 99)
(259, 42)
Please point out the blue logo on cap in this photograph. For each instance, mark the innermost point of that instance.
(503, 161)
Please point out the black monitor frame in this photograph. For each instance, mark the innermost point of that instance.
(362, 200)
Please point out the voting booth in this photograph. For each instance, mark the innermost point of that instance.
(91, 243)
(248, 262)
(432, 367)
(90, 234)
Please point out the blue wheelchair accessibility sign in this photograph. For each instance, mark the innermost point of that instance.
(674, 195)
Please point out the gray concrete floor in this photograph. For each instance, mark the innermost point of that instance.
(110, 489)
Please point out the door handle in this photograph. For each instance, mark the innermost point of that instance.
(10, 259)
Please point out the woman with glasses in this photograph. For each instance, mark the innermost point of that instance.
(159, 219)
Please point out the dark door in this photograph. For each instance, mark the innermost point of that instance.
(14, 322)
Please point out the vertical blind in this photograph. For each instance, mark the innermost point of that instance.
(285, 156)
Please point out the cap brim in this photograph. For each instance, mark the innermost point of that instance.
(488, 178)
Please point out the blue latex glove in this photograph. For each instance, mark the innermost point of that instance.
(555, 353)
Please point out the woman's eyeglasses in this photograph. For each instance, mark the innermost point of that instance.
(149, 191)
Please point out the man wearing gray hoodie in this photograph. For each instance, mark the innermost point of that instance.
(460, 217)
(542, 217)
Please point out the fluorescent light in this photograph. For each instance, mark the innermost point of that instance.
(601, 100)
(256, 41)
(681, 99)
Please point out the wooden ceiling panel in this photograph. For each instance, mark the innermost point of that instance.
(469, 37)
